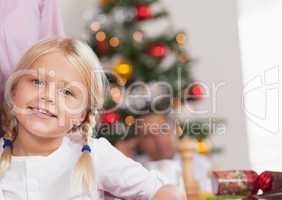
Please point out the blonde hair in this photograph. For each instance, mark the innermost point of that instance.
(82, 57)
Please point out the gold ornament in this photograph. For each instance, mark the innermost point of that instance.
(129, 120)
(124, 70)
(203, 147)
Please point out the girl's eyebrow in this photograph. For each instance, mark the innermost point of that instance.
(50, 78)
(61, 81)
(65, 82)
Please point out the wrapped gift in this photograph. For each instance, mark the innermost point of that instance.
(234, 182)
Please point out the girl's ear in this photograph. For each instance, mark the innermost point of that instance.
(13, 91)
(13, 94)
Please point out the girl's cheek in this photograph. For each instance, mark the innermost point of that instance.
(67, 108)
(29, 90)
(75, 106)
(66, 119)
(22, 93)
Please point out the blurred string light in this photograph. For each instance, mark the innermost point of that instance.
(129, 120)
(100, 36)
(114, 42)
(138, 36)
(95, 26)
(181, 38)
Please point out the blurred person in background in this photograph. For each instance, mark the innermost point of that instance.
(157, 142)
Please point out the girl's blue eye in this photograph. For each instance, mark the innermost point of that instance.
(67, 92)
(37, 82)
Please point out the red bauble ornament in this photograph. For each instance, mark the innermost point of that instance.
(197, 90)
(265, 181)
(157, 50)
(109, 117)
(143, 12)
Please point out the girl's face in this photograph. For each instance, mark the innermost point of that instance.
(51, 99)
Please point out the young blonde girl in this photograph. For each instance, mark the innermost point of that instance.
(48, 152)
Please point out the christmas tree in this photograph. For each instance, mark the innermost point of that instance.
(149, 71)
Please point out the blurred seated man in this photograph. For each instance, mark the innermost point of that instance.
(157, 143)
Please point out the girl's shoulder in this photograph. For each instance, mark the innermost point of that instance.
(102, 152)
(101, 145)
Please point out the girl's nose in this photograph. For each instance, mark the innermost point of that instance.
(47, 99)
(49, 95)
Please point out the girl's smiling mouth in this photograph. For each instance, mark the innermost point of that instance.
(43, 113)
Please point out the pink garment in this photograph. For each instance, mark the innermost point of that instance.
(23, 23)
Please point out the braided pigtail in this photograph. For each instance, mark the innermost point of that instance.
(83, 174)
(9, 136)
